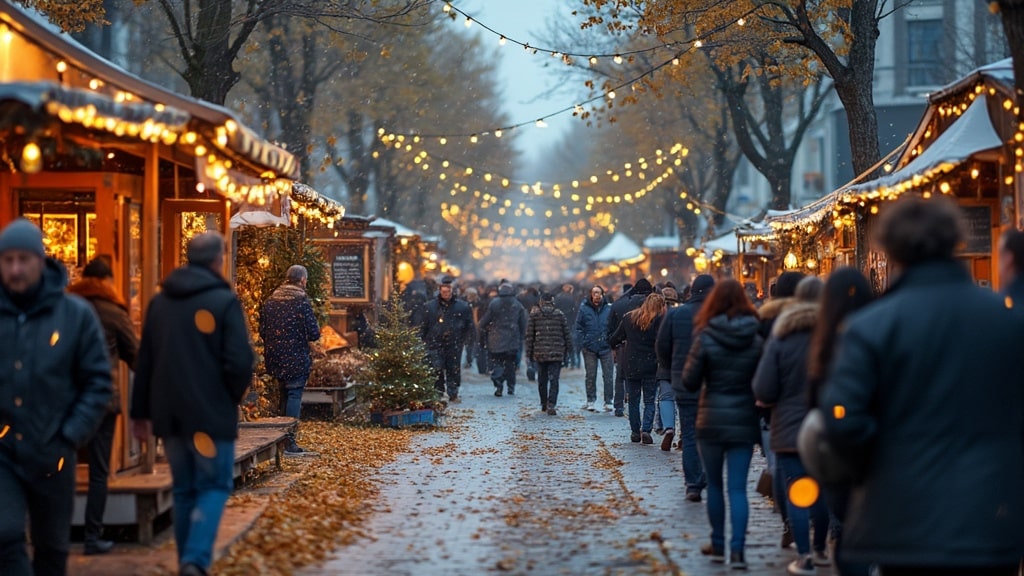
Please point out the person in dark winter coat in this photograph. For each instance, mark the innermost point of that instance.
(447, 324)
(783, 293)
(54, 391)
(97, 286)
(673, 346)
(591, 328)
(638, 330)
(548, 343)
(630, 300)
(195, 363)
(287, 326)
(503, 327)
(1011, 269)
(721, 365)
(569, 305)
(924, 401)
(846, 291)
(780, 384)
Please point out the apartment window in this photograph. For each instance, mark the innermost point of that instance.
(924, 52)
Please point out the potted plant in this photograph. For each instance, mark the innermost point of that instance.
(397, 381)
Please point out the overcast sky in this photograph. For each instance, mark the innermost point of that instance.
(525, 80)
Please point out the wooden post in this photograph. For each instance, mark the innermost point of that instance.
(150, 260)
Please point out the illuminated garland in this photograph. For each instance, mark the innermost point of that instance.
(577, 109)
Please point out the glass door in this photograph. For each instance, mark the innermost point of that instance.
(181, 220)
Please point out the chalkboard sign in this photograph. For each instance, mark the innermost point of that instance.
(979, 230)
(349, 272)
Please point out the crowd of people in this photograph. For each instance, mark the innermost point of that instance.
(915, 464)
(892, 424)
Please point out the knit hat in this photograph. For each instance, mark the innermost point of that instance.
(642, 286)
(97, 268)
(22, 234)
(702, 284)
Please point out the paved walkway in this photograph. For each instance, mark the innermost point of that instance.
(505, 488)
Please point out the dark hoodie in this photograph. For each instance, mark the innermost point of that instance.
(56, 379)
(195, 361)
(721, 366)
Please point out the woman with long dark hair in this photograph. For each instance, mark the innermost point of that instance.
(721, 365)
(845, 291)
(639, 330)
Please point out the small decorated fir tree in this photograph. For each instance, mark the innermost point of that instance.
(398, 375)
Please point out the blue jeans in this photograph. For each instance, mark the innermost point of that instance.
(693, 471)
(291, 397)
(201, 489)
(666, 404)
(645, 387)
(48, 502)
(735, 457)
(547, 382)
(789, 469)
(590, 364)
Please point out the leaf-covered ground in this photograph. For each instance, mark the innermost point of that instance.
(324, 507)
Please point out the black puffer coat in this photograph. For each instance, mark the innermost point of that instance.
(447, 324)
(721, 365)
(547, 334)
(504, 324)
(781, 377)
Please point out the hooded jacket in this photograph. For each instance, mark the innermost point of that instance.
(122, 343)
(195, 360)
(547, 334)
(781, 377)
(721, 365)
(55, 377)
(504, 324)
(287, 326)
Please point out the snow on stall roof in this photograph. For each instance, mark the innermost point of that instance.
(619, 248)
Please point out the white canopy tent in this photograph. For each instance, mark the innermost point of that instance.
(619, 249)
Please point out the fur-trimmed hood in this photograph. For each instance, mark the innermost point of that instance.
(96, 289)
(771, 309)
(797, 317)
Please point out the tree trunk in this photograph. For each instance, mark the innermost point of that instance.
(358, 176)
(855, 86)
(1012, 12)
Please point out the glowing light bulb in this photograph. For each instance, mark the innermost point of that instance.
(497, 133)
(741, 21)
(469, 21)
(541, 123)
(593, 60)
(447, 7)
(611, 94)
(617, 59)
(501, 41)
(698, 44)
(31, 158)
(62, 67)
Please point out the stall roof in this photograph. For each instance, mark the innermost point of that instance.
(618, 249)
(400, 230)
(237, 138)
(727, 243)
(970, 134)
(661, 243)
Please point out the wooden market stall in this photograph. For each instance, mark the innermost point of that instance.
(109, 164)
(968, 145)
